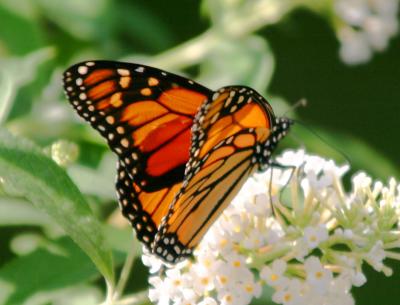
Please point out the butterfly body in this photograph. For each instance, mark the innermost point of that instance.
(184, 151)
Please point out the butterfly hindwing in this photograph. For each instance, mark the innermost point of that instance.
(231, 134)
(144, 210)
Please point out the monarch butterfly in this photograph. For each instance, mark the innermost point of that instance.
(183, 150)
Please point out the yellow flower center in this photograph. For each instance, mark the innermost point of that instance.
(319, 274)
(223, 279)
(249, 288)
(204, 281)
(228, 298)
(207, 263)
(223, 242)
(287, 297)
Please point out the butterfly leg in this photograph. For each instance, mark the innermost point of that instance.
(282, 167)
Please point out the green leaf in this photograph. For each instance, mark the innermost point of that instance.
(122, 240)
(15, 30)
(22, 213)
(59, 266)
(99, 181)
(141, 25)
(247, 62)
(26, 172)
(11, 77)
(79, 18)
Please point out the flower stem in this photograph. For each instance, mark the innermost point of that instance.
(126, 269)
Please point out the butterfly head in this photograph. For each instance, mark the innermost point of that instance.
(282, 125)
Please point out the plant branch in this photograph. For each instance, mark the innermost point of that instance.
(235, 26)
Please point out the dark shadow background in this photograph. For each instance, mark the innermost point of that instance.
(363, 100)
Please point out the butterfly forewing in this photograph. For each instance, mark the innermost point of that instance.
(146, 115)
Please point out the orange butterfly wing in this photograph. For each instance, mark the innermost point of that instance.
(233, 136)
(146, 116)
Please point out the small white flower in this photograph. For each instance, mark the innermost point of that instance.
(368, 25)
(160, 293)
(233, 226)
(188, 297)
(175, 283)
(232, 297)
(274, 275)
(356, 278)
(361, 181)
(339, 292)
(254, 240)
(300, 249)
(377, 32)
(238, 266)
(259, 205)
(352, 12)
(376, 256)
(218, 241)
(224, 277)
(291, 294)
(251, 288)
(354, 46)
(205, 261)
(248, 245)
(318, 182)
(317, 276)
(208, 301)
(151, 261)
(202, 282)
(313, 236)
(294, 158)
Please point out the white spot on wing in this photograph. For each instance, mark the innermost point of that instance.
(124, 72)
(82, 70)
(139, 69)
(215, 96)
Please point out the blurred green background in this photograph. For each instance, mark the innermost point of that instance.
(286, 54)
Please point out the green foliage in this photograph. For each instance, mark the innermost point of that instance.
(27, 173)
(60, 265)
(219, 43)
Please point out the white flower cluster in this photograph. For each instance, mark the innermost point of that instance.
(310, 252)
(365, 26)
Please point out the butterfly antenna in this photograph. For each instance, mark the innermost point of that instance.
(300, 103)
(323, 140)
